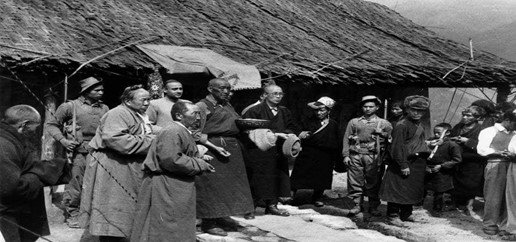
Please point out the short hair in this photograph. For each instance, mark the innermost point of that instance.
(398, 104)
(505, 106)
(266, 88)
(446, 126)
(509, 115)
(129, 92)
(179, 107)
(212, 82)
(18, 113)
(171, 81)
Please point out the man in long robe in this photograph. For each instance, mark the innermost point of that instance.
(23, 176)
(114, 175)
(166, 202)
(87, 110)
(403, 183)
(225, 192)
(268, 169)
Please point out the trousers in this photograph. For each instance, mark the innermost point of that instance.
(495, 212)
(364, 178)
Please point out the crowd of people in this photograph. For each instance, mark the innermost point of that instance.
(152, 170)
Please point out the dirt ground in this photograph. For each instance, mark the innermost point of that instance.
(451, 225)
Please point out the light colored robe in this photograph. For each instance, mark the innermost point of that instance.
(108, 200)
(166, 202)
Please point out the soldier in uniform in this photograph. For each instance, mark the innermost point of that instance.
(364, 140)
(74, 125)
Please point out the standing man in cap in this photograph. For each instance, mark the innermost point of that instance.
(84, 115)
(159, 109)
(365, 138)
(403, 184)
(269, 175)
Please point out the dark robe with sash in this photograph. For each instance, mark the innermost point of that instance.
(268, 170)
(166, 202)
(408, 138)
(469, 174)
(226, 191)
(313, 168)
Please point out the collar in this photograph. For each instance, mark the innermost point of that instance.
(210, 98)
(84, 100)
(11, 130)
(271, 107)
(500, 128)
(182, 125)
(370, 118)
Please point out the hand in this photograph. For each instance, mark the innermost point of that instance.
(222, 151)
(436, 168)
(428, 169)
(347, 161)
(207, 157)
(508, 154)
(436, 142)
(304, 134)
(281, 135)
(405, 172)
(69, 144)
(210, 168)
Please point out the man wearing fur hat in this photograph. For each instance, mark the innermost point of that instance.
(364, 140)
(84, 115)
(403, 184)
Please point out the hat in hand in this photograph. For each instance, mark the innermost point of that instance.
(291, 146)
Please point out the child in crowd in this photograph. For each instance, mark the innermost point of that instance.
(439, 170)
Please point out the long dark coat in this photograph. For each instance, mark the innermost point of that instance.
(113, 173)
(166, 202)
(408, 138)
(225, 192)
(448, 155)
(313, 168)
(469, 174)
(22, 178)
(268, 170)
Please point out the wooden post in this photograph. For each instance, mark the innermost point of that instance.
(48, 144)
(502, 93)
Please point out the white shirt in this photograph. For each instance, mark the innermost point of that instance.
(486, 137)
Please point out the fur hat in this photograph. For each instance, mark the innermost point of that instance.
(370, 98)
(417, 102)
(89, 83)
(322, 102)
(487, 105)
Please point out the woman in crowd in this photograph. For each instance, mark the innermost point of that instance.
(313, 168)
(469, 176)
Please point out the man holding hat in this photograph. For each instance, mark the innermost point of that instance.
(74, 125)
(403, 184)
(364, 140)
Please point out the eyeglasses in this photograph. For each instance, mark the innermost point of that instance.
(277, 94)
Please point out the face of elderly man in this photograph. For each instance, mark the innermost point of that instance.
(140, 101)
(274, 94)
(220, 90)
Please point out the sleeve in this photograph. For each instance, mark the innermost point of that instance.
(152, 113)
(345, 139)
(291, 126)
(387, 129)
(116, 134)
(484, 141)
(512, 145)
(15, 185)
(398, 149)
(55, 124)
(455, 156)
(251, 113)
(172, 158)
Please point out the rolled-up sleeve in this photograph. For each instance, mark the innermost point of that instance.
(484, 141)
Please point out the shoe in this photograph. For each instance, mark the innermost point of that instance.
(273, 210)
(73, 223)
(249, 216)
(490, 231)
(318, 204)
(503, 233)
(286, 200)
(216, 231)
(355, 210)
(408, 219)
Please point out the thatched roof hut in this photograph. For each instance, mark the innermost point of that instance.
(291, 40)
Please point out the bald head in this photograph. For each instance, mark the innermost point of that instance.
(274, 94)
(219, 89)
(22, 117)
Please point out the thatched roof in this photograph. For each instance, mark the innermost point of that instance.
(300, 40)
